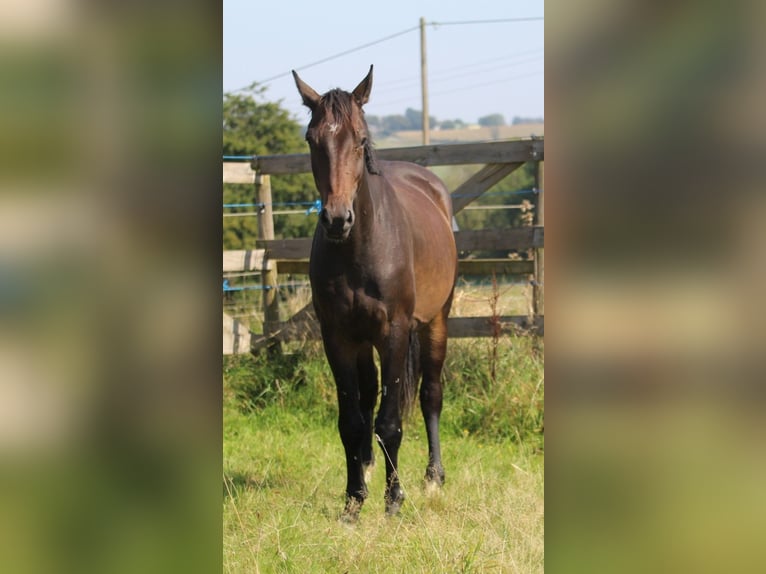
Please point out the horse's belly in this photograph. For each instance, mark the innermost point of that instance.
(434, 255)
(434, 280)
(430, 302)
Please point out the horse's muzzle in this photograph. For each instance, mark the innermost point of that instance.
(337, 227)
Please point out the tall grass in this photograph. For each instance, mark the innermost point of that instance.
(492, 387)
(507, 406)
(284, 469)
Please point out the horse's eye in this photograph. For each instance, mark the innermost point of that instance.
(363, 142)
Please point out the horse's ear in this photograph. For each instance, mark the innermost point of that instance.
(308, 94)
(362, 91)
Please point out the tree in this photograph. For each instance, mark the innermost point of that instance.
(252, 126)
(415, 118)
(456, 124)
(256, 127)
(511, 190)
(492, 120)
(395, 123)
(521, 120)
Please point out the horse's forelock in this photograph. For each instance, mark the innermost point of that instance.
(337, 107)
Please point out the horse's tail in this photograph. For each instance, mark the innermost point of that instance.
(409, 389)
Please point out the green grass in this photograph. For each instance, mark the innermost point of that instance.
(284, 472)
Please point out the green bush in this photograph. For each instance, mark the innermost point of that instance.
(300, 381)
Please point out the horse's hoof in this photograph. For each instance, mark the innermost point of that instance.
(350, 514)
(349, 517)
(393, 506)
(434, 477)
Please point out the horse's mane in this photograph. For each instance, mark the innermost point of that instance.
(337, 106)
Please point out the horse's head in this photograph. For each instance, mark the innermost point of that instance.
(340, 151)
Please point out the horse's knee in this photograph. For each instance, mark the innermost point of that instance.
(351, 429)
(431, 394)
(389, 433)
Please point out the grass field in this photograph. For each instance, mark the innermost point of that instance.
(284, 475)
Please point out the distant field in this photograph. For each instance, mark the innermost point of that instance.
(471, 300)
(476, 300)
(415, 137)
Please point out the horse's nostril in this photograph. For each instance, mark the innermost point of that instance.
(350, 217)
(325, 217)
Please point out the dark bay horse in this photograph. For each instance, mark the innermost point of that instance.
(383, 267)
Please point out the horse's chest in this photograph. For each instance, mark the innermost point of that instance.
(352, 309)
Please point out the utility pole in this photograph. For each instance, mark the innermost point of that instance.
(424, 82)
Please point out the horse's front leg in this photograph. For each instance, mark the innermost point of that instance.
(388, 423)
(342, 358)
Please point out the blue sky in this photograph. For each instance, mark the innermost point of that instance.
(473, 69)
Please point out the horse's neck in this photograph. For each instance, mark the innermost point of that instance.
(367, 204)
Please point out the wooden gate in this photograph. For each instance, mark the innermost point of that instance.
(272, 256)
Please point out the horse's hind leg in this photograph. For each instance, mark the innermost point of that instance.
(368, 396)
(433, 350)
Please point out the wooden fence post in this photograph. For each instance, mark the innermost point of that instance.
(538, 289)
(269, 269)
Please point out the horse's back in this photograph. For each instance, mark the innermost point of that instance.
(427, 205)
(405, 176)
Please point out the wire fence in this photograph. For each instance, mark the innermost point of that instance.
(316, 206)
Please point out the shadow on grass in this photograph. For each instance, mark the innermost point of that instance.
(235, 483)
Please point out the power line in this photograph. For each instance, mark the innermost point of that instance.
(476, 67)
(338, 55)
(461, 89)
(492, 83)
(498, 21)
(390, 37)
(485, 69)
(514, 56)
